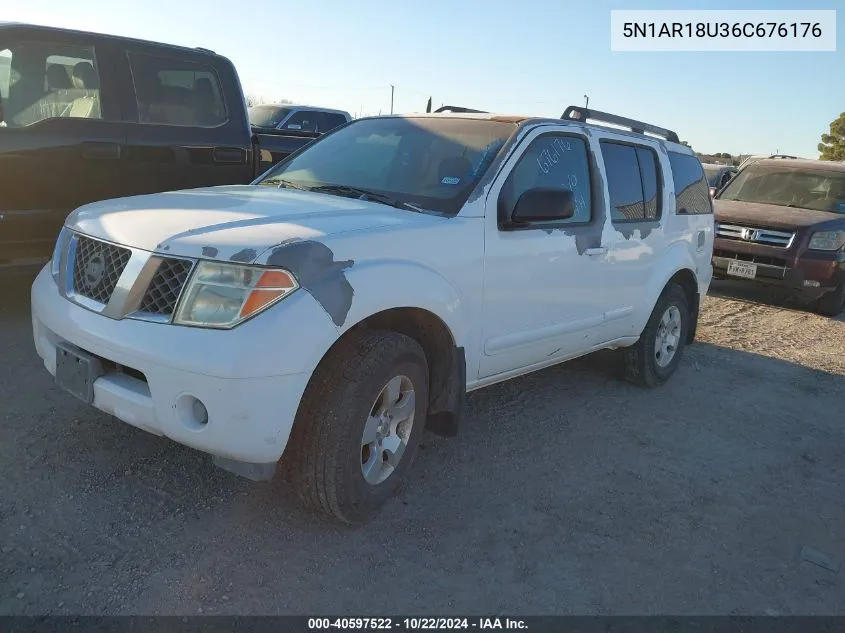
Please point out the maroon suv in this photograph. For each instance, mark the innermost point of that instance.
(782, 222)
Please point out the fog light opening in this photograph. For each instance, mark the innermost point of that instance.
(191, 412)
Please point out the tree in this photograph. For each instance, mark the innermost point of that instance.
(832, 146)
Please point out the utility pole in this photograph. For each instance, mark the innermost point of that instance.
(587, 104)
(391, 98)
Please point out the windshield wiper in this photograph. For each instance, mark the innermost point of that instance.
(365, 194)
(281, 183)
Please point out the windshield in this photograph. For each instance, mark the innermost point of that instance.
(799, 187)
(712, 174)
(431, 163)
(267, 116)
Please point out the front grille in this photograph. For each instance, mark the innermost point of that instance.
(166, 286)
(755, 235)
(97, 267)
(754, 259)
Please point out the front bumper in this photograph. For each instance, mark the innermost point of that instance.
(250, 379)
(811, 273)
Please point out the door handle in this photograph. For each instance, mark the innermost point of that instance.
(228, 155)
(592, 252)
(101, 151)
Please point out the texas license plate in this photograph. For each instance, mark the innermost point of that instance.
(76, 372)
(742, 269)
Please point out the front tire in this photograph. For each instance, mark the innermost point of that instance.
(359, 425)
(656, 355)
(833, 303)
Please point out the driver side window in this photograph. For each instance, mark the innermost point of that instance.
(554, 161)
(304, 121)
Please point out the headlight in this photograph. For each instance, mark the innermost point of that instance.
(827, 241)
(223, 295)
(58, 249)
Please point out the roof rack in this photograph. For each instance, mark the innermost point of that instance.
(458, 110)
(782, 156)
(577, 113)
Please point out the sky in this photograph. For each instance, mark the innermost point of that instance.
(530, 57)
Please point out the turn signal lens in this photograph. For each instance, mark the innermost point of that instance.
(273, 284)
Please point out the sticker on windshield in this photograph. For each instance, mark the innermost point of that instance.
(450, 180)
(841, 206)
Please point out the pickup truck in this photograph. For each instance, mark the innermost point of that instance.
(299, 118)
(349, 299)
(87, 117)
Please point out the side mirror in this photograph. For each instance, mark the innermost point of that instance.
(544, 205)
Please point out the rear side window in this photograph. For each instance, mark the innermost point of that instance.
(44, 80)
(330, 120)
(176, 92)
(692, 194)
(633, 182)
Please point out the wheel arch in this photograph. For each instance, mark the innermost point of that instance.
(686, 279)
(677, 266)
(446, 359)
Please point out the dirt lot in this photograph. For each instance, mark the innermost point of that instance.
(568, 492)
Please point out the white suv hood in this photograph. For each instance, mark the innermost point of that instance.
(231, 223)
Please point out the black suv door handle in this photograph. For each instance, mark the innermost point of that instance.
(101, 151)
(228, 155)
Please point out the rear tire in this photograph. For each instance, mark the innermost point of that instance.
(833, 303)
(328, 459)
(656, 355)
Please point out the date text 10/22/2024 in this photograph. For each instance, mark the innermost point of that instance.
(415, 624)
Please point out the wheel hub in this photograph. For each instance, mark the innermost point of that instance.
(387, 430)
(668, 336)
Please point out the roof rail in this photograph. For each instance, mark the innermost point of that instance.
(782, 156)
(458, 110)
(205, 50)
(577, 113)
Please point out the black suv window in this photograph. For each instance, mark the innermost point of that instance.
(302, 121)
(553, 161)
(330, 120)
(43, 80)
(692, 194)
(176, 92)
(633, 182)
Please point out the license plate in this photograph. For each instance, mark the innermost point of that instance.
(76, 372)
(742, 269)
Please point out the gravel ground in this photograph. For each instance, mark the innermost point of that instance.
(567, 492)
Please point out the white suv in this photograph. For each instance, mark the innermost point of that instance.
(351, 296)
